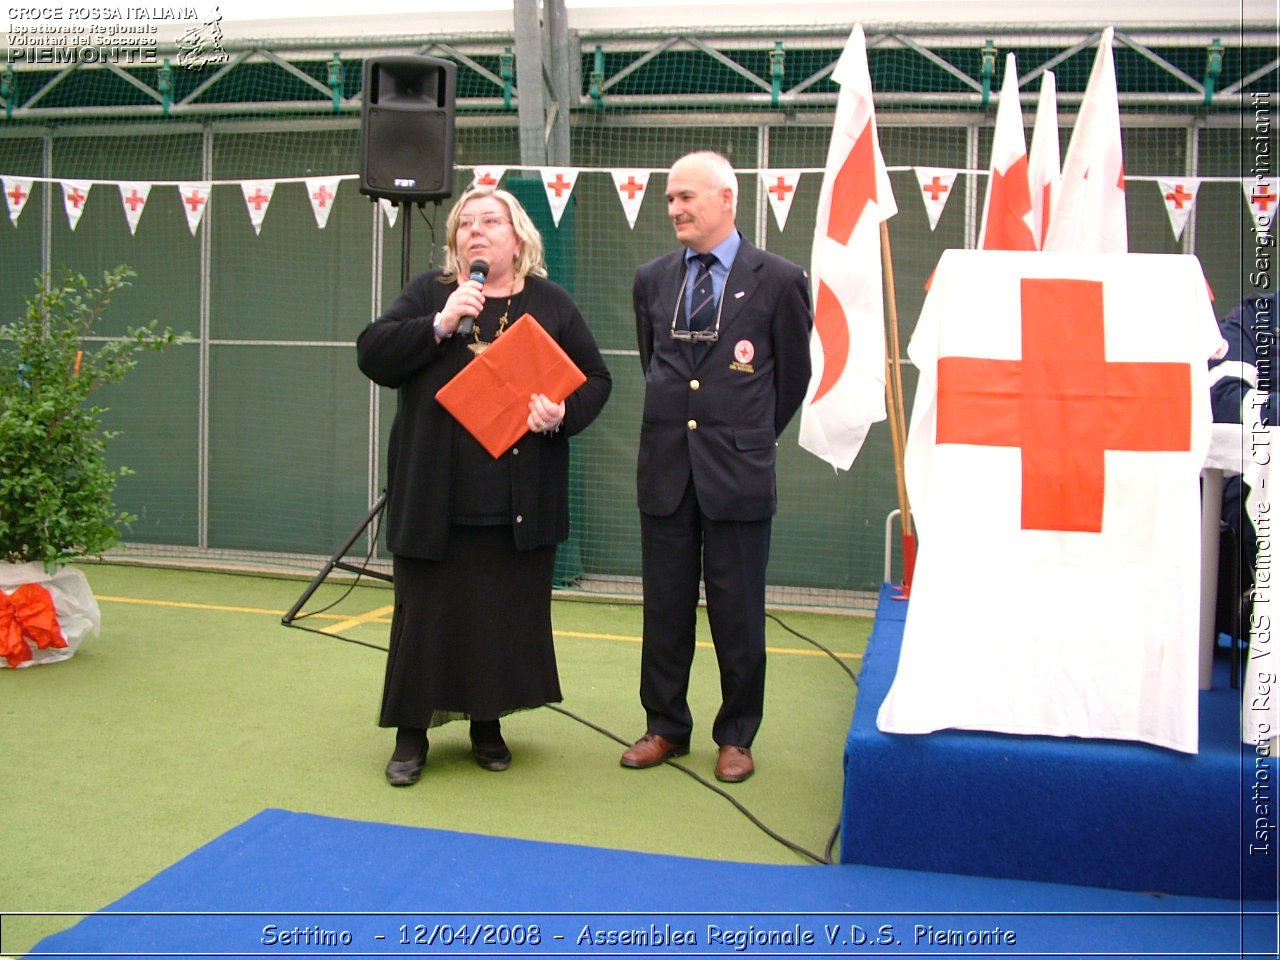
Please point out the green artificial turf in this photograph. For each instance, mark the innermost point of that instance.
(196, 708)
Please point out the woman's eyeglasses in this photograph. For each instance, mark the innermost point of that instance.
(488, 223)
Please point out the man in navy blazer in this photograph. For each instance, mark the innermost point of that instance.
(715, 404)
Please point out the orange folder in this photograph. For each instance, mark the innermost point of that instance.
(490, 397)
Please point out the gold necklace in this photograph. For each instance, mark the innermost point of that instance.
(480, 346)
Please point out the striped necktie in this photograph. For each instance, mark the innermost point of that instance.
(702, 311)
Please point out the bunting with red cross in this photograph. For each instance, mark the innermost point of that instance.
(559, 183)
(1060, 424)
(1261, 194)
(17, 190)
(780, 187)
(1179, 198)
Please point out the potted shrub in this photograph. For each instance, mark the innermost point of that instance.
(56, 489)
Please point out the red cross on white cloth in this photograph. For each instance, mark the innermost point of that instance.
(487, 176)
(257, 197)
(558, 183)
(74, 195)
(1262, 194)
(630, 185)
(780, 187)
(322, 191)
(1179, 197)
(133, 197)
(1054, 453)
(937, 184)
(17, 191)
(195, 197)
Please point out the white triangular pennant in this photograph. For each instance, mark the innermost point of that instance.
(1260, 194)
(133, 195)
(74, 195)
(935, 188)
(195, 197)
(487, 176)
(780, 185)
(391, 210)
(1179, 197)
(257, 197)
(321, 191)
(631, 186)
(17, 191)
(558, 182)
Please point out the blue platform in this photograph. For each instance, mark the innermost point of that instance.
(1095, 813)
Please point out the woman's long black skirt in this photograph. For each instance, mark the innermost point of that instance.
(471, 634)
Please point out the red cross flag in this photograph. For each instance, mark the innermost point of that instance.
(487, 176)
(257, 197)
(1006, 211)
(17, 191)
(1179, 197)
(846, 391)
(74, 195)
(631, 185)
(1044, 171)
(559, 183)
(1089, 214)
(780, 187)
(1261, 195)
(1053, 465)
(195, 197)
(936, 187)
(322, 191)
(133, 196)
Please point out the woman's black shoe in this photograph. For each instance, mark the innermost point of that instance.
(489, 748)
(405, 773)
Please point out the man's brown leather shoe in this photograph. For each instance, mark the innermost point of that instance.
(650, 750)
(734, 764)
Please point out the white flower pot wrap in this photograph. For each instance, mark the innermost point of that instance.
(73, 601)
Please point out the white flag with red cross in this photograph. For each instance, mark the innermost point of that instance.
(1053, 468)
(487, 176)
(133, 196)
(1044, 162)
(322, 191)
(936, 186)
(1089, 214)
(195, 198)
(74, 195)
(17, 191)
(1260, 193)
(631, 186)
(257, 197)
(559, 183)
(847, 349)
(1179, 198)
(1006, 211)
(780, 188)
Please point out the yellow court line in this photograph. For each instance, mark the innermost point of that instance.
(379, 616)
(371, 617)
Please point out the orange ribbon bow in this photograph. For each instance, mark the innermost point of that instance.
(28, 614)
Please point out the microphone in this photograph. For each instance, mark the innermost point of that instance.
(480, 273)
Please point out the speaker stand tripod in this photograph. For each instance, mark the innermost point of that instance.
(336, 561)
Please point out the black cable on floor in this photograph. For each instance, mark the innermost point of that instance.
(772, 834)
(824, 859)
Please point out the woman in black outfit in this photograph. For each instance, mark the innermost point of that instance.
(473, 538)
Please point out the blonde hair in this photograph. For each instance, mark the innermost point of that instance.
(530, 258)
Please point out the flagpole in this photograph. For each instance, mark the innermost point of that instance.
(897, 412)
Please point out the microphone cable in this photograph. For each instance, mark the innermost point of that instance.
(823, 859)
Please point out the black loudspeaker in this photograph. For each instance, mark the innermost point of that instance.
(406, 128)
